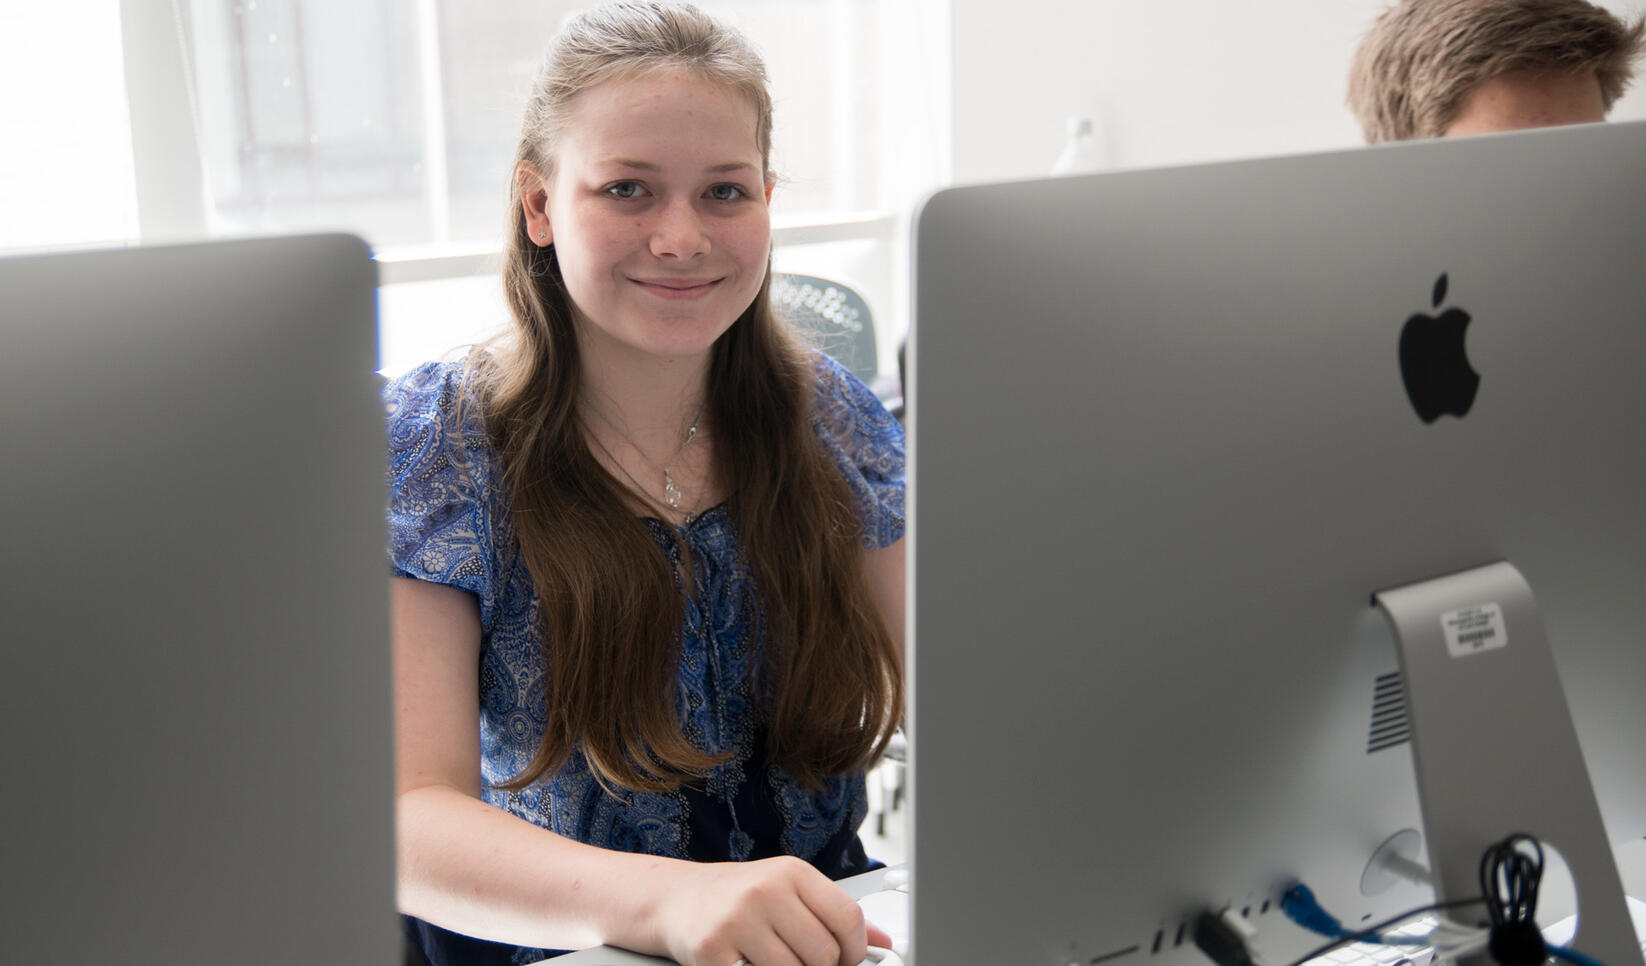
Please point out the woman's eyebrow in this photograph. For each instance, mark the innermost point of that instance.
(648, 166)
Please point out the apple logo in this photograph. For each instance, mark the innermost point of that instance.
(1433, 363)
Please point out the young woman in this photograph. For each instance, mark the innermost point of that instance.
(649, 593)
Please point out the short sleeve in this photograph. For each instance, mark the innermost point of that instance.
(441, 526)
(866, 442)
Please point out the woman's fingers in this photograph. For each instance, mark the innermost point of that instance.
(840, 915)
(772, 912)
(877, 936)
(812, 938)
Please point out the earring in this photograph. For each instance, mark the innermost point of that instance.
(541, 234)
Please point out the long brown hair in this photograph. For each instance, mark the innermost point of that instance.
(829, 682)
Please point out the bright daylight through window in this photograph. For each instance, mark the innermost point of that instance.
(396, 120)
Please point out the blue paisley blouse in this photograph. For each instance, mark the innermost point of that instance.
(449, 524)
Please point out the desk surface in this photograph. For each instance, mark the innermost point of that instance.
(857, 887)
(1631, 859)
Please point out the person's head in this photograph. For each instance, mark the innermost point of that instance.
(639, 93)
(1432, 68)
(638, 228)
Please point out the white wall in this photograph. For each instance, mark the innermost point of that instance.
(1171, 81)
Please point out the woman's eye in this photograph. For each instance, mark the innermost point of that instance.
(726, 192)
(624, 190)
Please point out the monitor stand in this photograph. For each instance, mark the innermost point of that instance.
(1494, 746)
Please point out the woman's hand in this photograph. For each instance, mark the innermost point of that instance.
(772, 912)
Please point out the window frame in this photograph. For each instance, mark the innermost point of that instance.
(171, 188)
(173, 196)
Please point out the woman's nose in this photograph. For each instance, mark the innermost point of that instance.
(678, 232)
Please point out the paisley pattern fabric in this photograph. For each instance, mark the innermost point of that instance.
(449, 523)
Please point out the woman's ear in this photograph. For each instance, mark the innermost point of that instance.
(534, 198)
(770, 184)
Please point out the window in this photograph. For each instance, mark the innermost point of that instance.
(310, 117)
(397, 120)
(66, 174)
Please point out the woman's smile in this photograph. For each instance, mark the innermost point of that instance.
(677, 288)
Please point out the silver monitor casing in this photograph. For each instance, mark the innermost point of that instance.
(1163, 457)
(196, 728)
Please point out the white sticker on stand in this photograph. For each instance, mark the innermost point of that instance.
(1474, 630)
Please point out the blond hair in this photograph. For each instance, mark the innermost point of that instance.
(1422, 57)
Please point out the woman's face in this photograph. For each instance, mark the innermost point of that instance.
(658, 212)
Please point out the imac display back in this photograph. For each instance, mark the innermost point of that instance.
(1165, 449)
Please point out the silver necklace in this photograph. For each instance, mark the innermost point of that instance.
(672, 495)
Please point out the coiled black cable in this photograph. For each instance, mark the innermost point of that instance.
(1509, 879)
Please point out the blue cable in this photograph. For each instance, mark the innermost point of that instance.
(1300, 906)
(1572, 956)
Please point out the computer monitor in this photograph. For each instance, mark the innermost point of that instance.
(1165, 464)
(195, 735)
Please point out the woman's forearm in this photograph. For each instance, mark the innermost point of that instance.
(476, 870)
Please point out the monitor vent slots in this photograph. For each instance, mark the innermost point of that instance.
(1390, 726)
